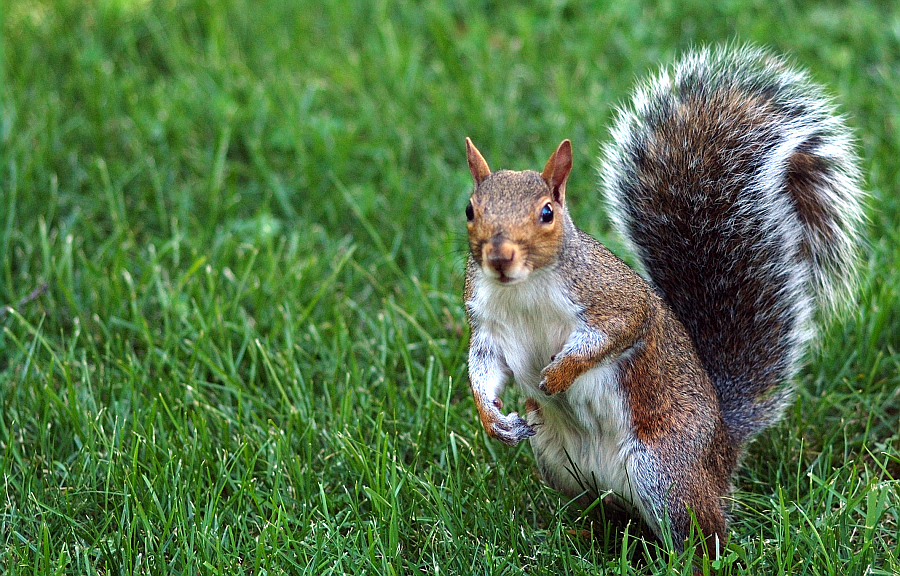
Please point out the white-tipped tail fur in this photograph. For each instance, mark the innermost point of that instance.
(736, 183)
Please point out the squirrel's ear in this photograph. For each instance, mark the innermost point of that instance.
(477, 166)
(556, 172)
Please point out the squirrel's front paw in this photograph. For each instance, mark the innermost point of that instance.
(556, 377)
(511, 429)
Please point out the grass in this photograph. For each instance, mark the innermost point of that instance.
(232, 246)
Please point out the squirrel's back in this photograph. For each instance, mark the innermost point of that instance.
(737, 186)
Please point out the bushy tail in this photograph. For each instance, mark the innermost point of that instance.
(738, 187)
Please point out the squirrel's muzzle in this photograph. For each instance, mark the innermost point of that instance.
(503, 260)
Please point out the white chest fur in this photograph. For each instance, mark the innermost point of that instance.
(529, 321)
(583, 439)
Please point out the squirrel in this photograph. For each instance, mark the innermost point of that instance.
(736, 184)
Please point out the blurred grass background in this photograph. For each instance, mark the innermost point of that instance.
(232, 248)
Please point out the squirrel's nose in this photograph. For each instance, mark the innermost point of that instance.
(500, 255)
(500, 261)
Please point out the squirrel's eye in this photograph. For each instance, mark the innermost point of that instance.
(546, 214)
(470, 212)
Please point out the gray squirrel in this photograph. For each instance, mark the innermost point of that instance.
(737, 186)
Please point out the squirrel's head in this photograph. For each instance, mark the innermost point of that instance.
(516, 220)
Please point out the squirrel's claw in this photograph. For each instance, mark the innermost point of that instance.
(511, 429)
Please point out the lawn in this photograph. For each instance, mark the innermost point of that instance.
(232, 241)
